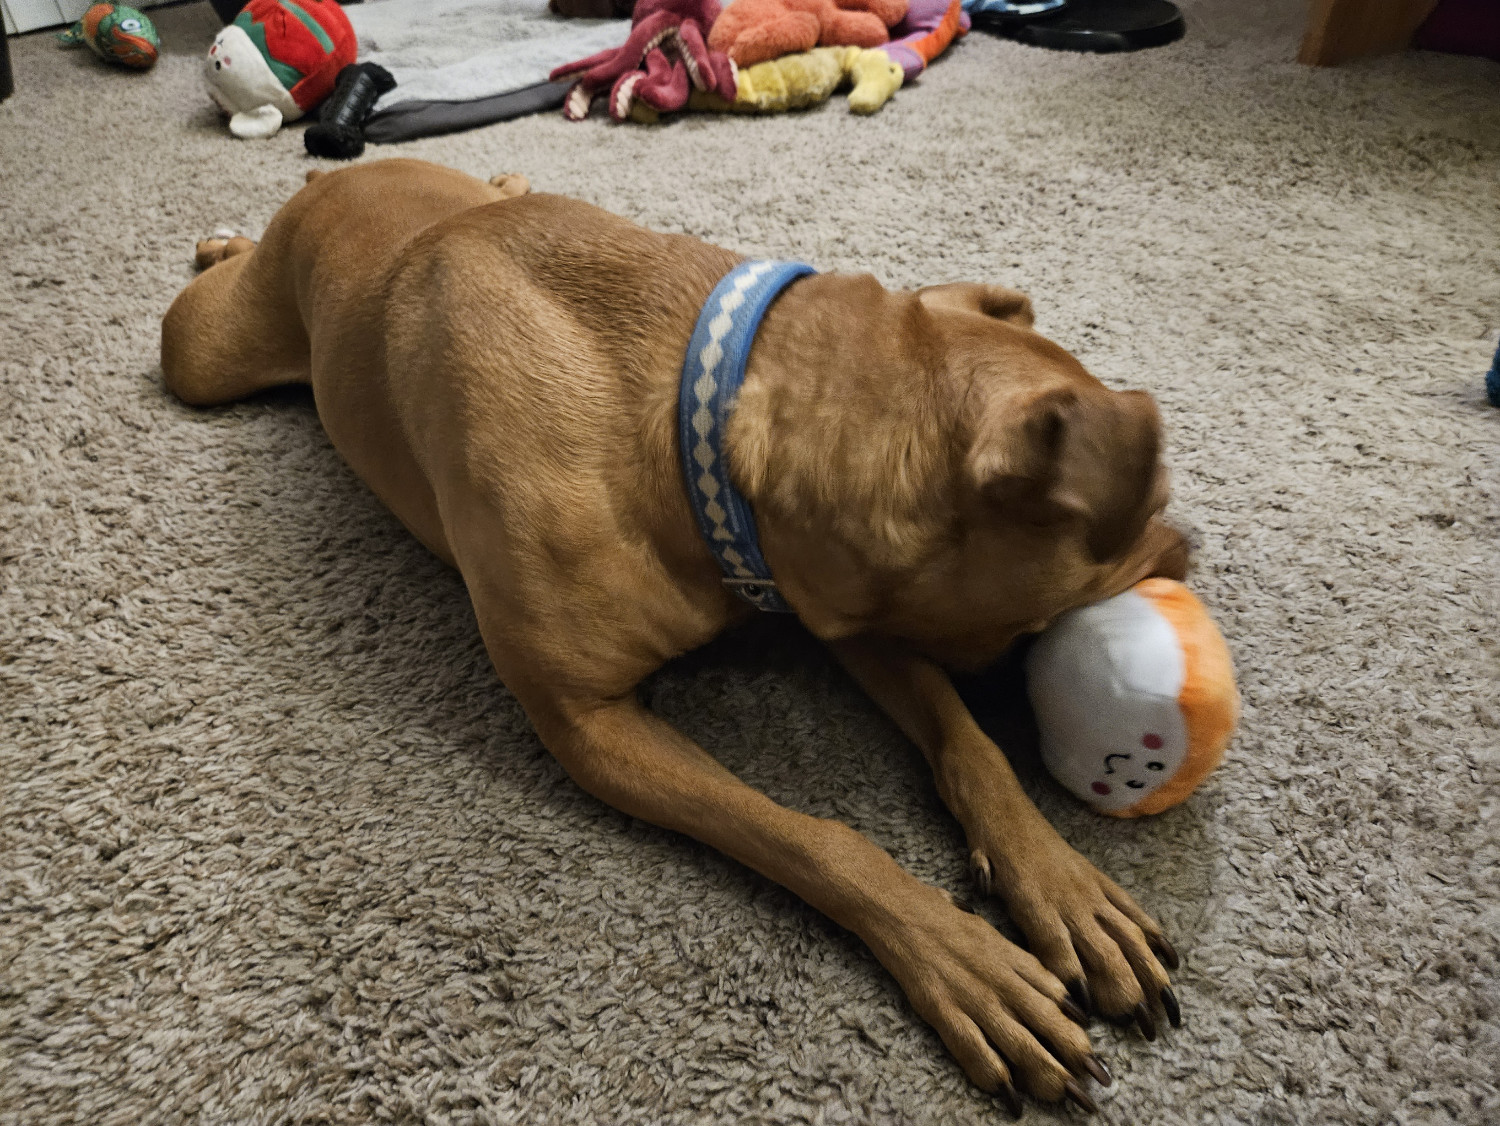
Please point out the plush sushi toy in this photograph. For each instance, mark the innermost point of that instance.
(116, 34)
(1134, 698)
(277, 61)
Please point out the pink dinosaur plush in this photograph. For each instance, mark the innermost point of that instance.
(665, 56)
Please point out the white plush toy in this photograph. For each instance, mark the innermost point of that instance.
(277, 61)
(1134, 697)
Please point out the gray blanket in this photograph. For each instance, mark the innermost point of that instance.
(463, 63)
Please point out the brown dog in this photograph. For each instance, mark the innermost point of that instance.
(930, 477)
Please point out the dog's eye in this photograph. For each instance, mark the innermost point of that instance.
(1155, 766)
(1134, 785)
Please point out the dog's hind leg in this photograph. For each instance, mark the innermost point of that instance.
(235, 330)
(211, 251)
(511, 184)
(239, 327)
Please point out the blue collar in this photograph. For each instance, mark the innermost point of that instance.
(711, 378)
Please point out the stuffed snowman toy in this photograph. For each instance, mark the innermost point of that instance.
(277, 61)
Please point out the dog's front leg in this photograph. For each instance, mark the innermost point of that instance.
(995, 1006)
(1082, 925)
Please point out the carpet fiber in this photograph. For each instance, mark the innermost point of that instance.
(276, 847)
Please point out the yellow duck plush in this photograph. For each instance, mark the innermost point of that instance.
(798, 81)
(810, 77)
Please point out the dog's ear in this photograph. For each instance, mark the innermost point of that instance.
(1016, 460)
(1059, 456)
(987, 300)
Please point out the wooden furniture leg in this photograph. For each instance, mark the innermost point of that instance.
(1339, 30)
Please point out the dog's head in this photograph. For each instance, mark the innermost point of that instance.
(978, 482)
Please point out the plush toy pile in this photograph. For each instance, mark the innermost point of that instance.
(280, 60)
(761, 56)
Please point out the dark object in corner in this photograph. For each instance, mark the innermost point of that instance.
(1492, 380)
(1098, 25)
(1462, 27)
(592, 9)
(340, 130)
(226, 10)
(7, 82)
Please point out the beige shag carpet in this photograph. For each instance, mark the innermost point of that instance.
(275, 847)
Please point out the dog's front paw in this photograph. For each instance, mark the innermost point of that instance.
(1005, 1018)
(1084, 928)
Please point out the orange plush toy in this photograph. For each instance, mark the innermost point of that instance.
(1134, 697)
(756, 31)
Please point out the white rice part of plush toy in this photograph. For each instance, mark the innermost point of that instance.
(241, 82)
(1104, 682)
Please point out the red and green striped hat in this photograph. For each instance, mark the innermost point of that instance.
(305, 42)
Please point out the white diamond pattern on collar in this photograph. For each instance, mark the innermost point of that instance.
(703, 421)
(713, 370)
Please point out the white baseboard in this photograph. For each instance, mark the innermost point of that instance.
(29, 15)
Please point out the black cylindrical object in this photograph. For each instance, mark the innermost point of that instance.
(340, 131)
(226, 10)
(7, 82)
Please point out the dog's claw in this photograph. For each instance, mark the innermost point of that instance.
(1165, 951)
(1169, 1002)
(1079, 1096)
(1078, 989)
(1144, 1022)
(1011, 1098)
(1073, 1012)
(1095, 1067)
(984, 874)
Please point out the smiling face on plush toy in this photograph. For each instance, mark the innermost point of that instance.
(240, 79)
(1134, 698)
(1106, 682)
(1127, 761)
(1124, 748)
